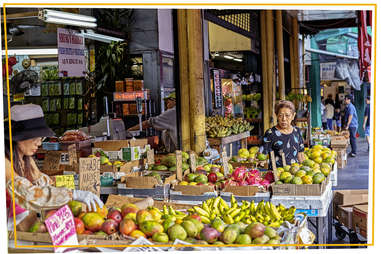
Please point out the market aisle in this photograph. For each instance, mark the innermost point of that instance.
(355, 174)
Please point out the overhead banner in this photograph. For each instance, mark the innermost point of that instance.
(71, 53)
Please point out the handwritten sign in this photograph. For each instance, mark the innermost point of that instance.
(89, 175)
(150, 157)
(72, 151)
(61, 228)
(192, 158)
(225, 164)
(64, 159)
(71, 53)
(65, 181)
(51, 162)
(179, 165)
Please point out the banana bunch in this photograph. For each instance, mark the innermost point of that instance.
(265, 212)
(218, 126)
(168, 211)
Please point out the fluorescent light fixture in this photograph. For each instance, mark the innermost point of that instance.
(69, 22)
(89, 34)
(67, 15)
(228, 57)
(237, 59)
(66, 18)
(29, 52)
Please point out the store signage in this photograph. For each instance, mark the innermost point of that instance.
(89, 175)
(179, 165)
(52, 162)
(65, 181)
(150, 157)
(71, 53)
(64, 159)
(217, 89)
(192, 158)
(61, 228)
(131, 96)
(327, 71)
(225, 164)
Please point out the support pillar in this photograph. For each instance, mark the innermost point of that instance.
(360, 104)
(279, 36)
(315, 87)
(265, 97)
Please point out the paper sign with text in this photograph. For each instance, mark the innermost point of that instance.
(72, 151)
(71, 53)
(89, 175)
(61, 228)
(52, 162)
(65, 181)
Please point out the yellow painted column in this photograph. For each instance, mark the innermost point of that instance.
(279, 40)
(265, 97)
(295, 29)
(184, 78)
(271, 64)
(196, 80)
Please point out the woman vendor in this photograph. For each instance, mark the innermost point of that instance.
(284, 137)
(33, 190)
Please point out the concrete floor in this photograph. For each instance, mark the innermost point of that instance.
(354, 176)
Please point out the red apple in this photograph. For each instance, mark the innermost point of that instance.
(196, 216)
(110, 226)
(212, 177)
(79, 225)
(50, 213)
(129, 208)
(115, 215)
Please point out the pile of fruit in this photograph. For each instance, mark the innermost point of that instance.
(265, 212)
(251, 112)
(249, 156)
(298, 97)
(219, 127)
(213, 222)
(105, 159)
(169, 162)
(244, 177)
(313, 170)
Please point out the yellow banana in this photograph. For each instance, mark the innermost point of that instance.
(228, 219)
(201, 211)
(165, 210)
(204, 219)
(235, 212)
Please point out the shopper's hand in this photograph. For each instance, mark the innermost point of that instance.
(89, 198)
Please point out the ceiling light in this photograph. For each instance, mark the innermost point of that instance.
(228, 57)
(68, 15)
(69, 22)
(89, 34)
(65, 18)
(237, 59)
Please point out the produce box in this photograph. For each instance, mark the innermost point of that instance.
(341, 158)
(136, 180)
(300, 189)
(360, 219)
(83, 146)
(193, 190)
(118, 200)
(346, 199)
(339, 142)
(241, 190)
(344, 215)
(116, 145)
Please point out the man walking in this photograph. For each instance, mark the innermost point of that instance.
(366, 125)
(351, 122)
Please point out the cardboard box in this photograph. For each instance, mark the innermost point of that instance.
(300, 189)
(136, 180)
(193, 190)
(118, 201)
(242, 190)
(341, 158)
(107, 168)
(339, 142)
(344, 215)
(360, 219)
(350, 197)
(116, 145)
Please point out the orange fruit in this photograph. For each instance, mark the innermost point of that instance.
(137, 233)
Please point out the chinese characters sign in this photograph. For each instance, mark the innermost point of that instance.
(61, 228)
(71, 53)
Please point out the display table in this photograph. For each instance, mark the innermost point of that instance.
(220, 143)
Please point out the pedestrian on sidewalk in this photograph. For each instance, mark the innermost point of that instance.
(337, 120)
(323, 115)
(351, 122)
(366, 125)
(329, 113)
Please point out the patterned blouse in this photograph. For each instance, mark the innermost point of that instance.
(291, 144)
(38, 194)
